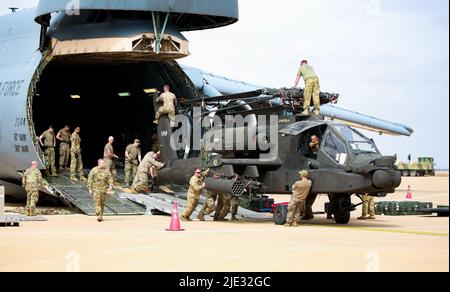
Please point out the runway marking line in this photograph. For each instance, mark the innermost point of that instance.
(411, 232)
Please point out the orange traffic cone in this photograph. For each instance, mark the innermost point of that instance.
(409, 193)
(175, 223)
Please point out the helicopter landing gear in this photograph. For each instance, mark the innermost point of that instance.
(341, 206)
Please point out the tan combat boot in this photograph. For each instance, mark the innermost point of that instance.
(72, 178)
(182, 218)
(362, 218)
(82, 178)
(295, 224)
(317, 112)
(288, 225)
(372, 218)
(201, 216)
(305, 113)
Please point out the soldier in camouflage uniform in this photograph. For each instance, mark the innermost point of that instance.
(32, 181)
(234, 208)
(312, 87)
(147, 166)
(109, 157)
(48, 141)
(100, 181)
(169, 100)
(64, 147)
(300, 191)
(76, 161)
(132, 160)
(210, 205)
(229, 204)
(196, 186)
(368, 209)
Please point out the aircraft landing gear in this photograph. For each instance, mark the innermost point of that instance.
(280, 214)
(341, 207)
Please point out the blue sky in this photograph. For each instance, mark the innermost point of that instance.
(387, 58)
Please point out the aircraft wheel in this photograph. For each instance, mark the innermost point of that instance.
(280, 215)
(342, 205)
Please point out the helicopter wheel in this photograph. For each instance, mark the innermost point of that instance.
(280, 215)
(341, 208)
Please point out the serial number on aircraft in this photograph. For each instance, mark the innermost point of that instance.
(11, 88)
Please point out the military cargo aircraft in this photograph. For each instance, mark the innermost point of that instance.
(97, 64)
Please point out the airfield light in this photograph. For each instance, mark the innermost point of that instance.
(75, 96)
(124, 94)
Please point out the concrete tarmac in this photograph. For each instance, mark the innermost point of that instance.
(79, 243)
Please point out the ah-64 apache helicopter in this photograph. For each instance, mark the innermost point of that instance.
(347, 163)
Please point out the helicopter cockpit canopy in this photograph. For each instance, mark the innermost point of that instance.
(357, 142)
(338, 142)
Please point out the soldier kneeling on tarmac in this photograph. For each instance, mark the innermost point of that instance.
(300, 191)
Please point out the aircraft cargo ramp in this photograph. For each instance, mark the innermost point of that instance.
(163, 203)
(76, 196)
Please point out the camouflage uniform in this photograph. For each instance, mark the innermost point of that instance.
(110, 165)
(209, 207)
(141, 182)
(131, 166)
(297, 204)
(49, 144)
(219, 207)
(76, 161)
(229, 203)
(100, 179)
(32, 181)
(167, 108)
(234, 208)
(312, 86)
(64, 149)
(368, 209)
(194, 192)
